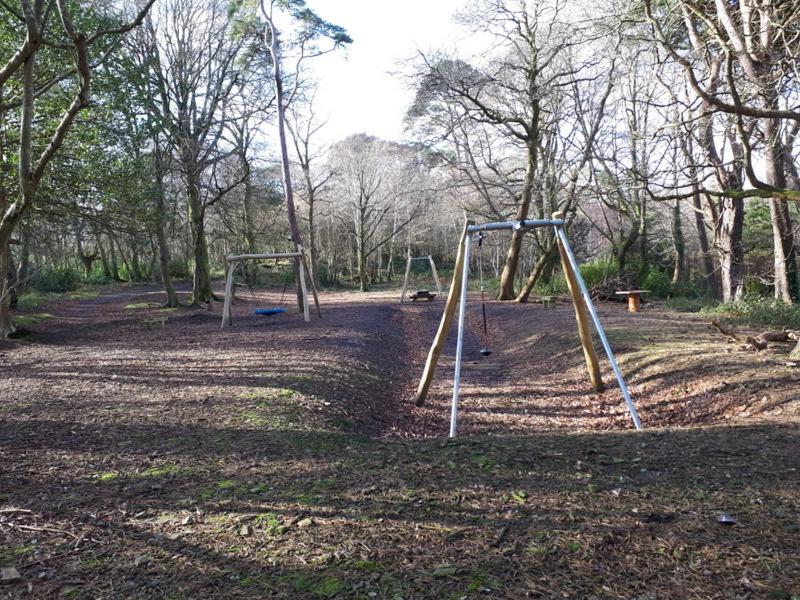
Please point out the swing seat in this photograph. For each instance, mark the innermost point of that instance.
(419, 294)
(268, 311)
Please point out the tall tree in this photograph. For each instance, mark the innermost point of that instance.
(194, 63)
(79, 52)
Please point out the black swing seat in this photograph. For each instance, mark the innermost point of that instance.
(420, 294)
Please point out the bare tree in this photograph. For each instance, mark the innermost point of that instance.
(515, 91)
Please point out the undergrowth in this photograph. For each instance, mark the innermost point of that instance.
(757, 310)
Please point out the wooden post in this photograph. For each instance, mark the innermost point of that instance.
(444, 326)
(585, 333)
(405, 279)
(226, 307)
(633, 301)
(302, 270)
(435, 276)
(314, 290)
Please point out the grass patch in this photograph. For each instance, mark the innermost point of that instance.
(142, 305)
(28, 320)
(269, 524)
(34, 299)
(161, 471)
(84, 294)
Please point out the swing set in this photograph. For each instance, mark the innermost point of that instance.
(582, 303)
(419, 294)
(300, 265)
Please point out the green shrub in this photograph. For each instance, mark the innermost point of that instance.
(61, 279)
(754, 288)
(31, 300)
(689, 289)
(658, 282)
(97, 276)
(178, 269)
(757, 310)
(598, 270)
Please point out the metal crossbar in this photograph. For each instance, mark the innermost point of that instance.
(558, 226)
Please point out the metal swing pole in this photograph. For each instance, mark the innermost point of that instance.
(562, 236)
(462, 308)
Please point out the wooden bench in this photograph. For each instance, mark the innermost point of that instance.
(634, 298)
(422, 294)
(547, 301)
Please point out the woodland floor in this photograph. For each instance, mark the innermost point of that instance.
(278, 459)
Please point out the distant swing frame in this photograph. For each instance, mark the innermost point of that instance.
(233, 261)
(582, 303)
(409, 260)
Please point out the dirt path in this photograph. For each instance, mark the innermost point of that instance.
(359, 365)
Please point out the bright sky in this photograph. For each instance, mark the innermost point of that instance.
(357, 92)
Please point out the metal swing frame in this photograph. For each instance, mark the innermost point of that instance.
(558, 226)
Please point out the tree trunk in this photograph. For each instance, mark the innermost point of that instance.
(644, 250)
(249, 226)
(21, 278)
(710, 280)
(512, 256)
(679, 271)
(783, 236)
(163, 250)
(536, 273)
(280, 103)
(6, 322)
(103, 256)
(113, 252)
(621, 251)
(201, 282)
(361, 258)
(729, 246)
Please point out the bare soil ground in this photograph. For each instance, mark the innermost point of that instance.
(278, 459)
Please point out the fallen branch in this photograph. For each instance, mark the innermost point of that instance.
(724, 330)
(11, 511)
(762, 340)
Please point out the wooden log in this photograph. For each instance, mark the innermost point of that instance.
(444, 326)
(581, 317)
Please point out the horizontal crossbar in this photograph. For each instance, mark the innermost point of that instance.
(514, 225)
(242, 257)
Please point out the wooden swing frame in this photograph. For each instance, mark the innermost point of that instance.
(233, 261)
(584, 309)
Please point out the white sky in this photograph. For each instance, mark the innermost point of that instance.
(357, 93)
